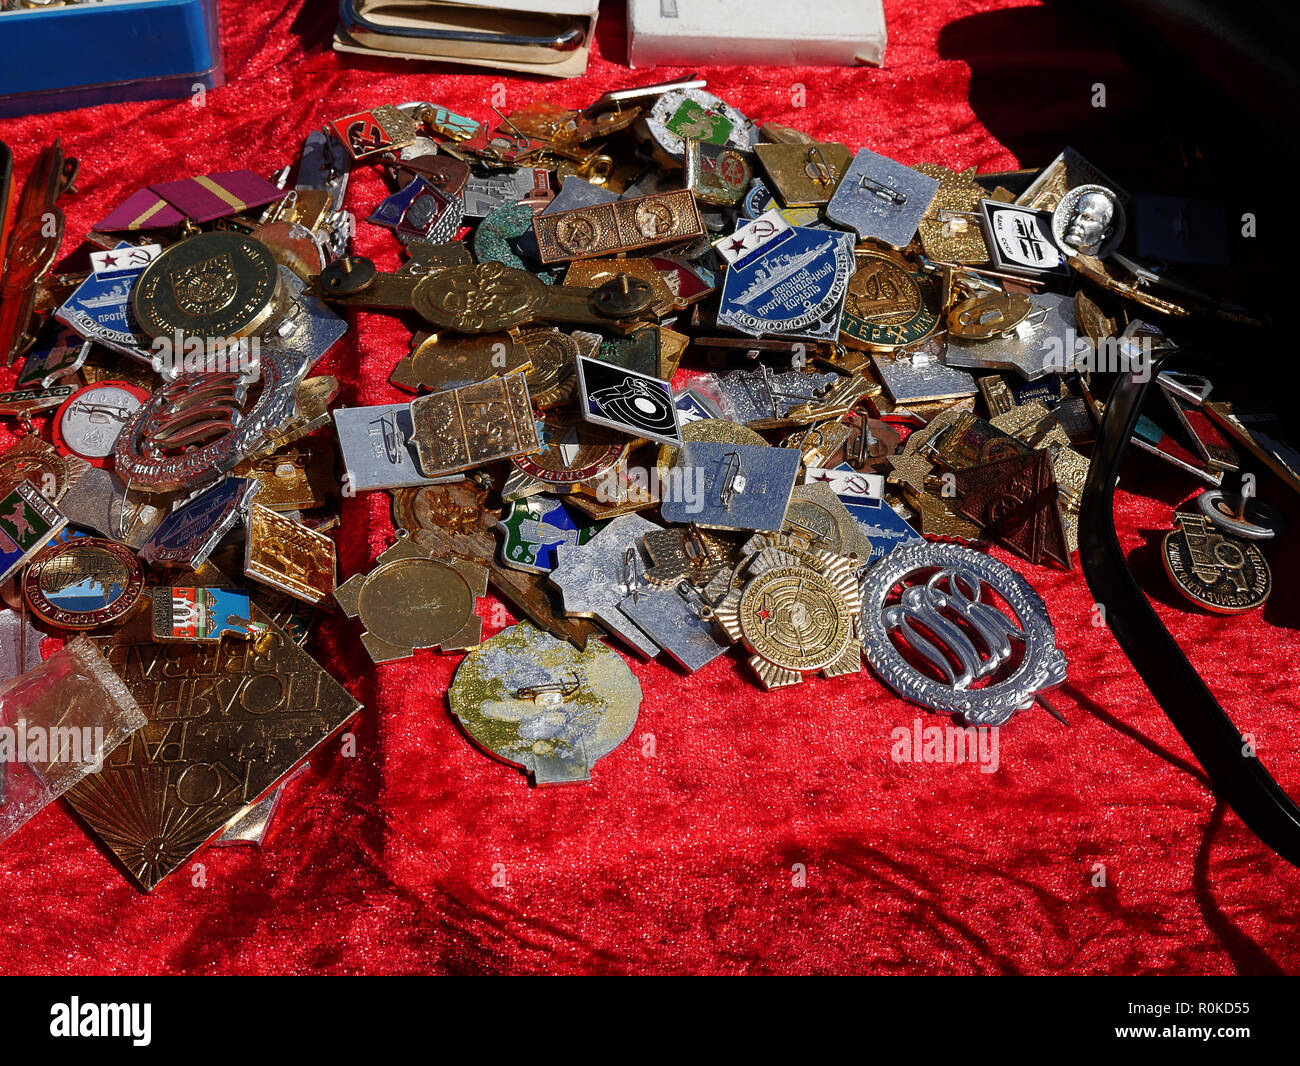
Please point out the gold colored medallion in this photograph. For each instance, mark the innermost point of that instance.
(288, 556)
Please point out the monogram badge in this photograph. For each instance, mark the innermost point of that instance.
(930, 600)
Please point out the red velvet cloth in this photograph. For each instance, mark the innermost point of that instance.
(422, 855)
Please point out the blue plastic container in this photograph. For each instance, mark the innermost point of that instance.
(56, 58)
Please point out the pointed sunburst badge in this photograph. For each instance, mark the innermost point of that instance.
(796, 612)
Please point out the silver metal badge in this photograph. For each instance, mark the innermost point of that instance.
(737, 486)
(596, 577)
(377, 449)
(672, 617)
(1045, 342)
(944, 617)
(882, 199)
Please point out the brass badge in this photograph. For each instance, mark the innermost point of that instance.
(473, 425)
(411, 600)
(1217, 572)
(288, 556)
(797, 613)
(951, 231)
(885, 307)
(454, 520)
(218, 285)
(225, 723)
(804, 175)
(619, 226)
(446, 361)
(1014, 500)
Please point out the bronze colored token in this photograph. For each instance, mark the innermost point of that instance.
(980, 317)
(448, 361)
(553, 356)
(479, 299)
(31, 459)
(84, 583)
(416, 603)
(1218, 572)
(289, 556)
(457, 510)
(885, 307)
(293, 245)
(218, 284)
(466, 427)
(411, 600)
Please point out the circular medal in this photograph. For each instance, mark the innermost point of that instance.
(415, 603)
(571, 454)
(554, 356)
(885, 307)
(1217, 572)
(218, 285)
(795, 611)
(795, 618)
(91, 419)
(541, 704)
(1088, 220)
(32, 460)
(457, 511)
(84, 583)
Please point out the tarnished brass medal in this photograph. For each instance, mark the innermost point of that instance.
(289, 556)
(411, 600)
(1217, 572)
(472, 425)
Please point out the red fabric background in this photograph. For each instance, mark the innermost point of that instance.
(682, 861)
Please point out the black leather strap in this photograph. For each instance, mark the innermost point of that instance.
(1238, 779)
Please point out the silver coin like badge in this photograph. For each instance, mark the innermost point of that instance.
(1089, 219)
(943, 615)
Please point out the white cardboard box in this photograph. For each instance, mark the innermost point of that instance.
(772, 32)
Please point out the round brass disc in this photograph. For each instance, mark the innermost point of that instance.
(416, 603)
(795, 618)
(218, 285)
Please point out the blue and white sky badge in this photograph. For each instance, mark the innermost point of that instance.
(884, 527)
(187, 536)
(695, 406)
(100, 310)
(791, 285)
